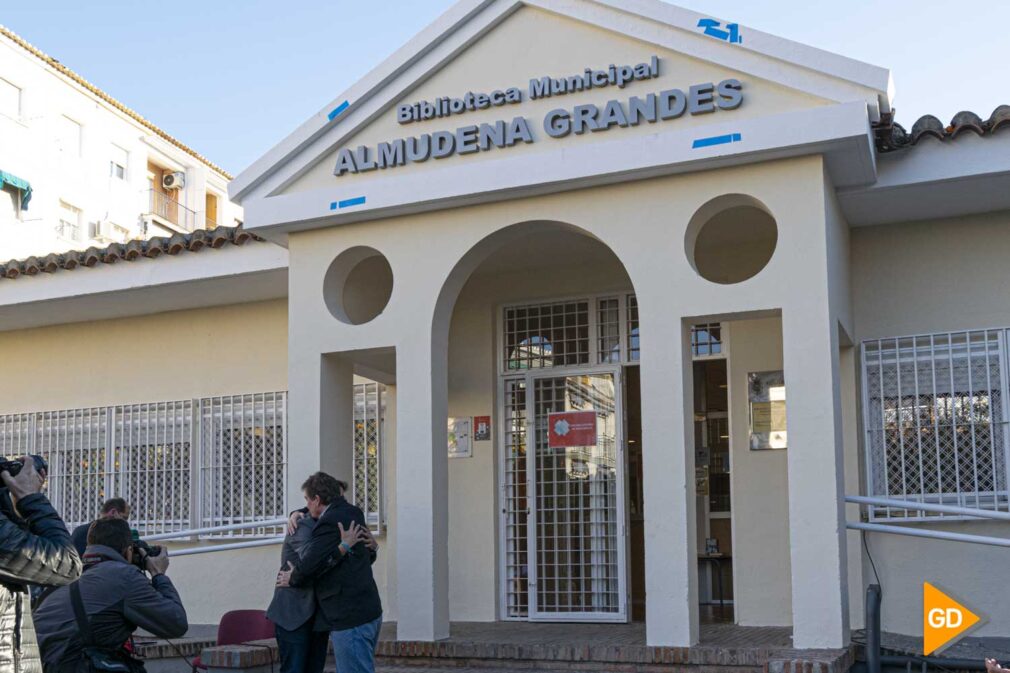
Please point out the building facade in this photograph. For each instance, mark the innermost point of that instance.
(600, 330)
(81, 169)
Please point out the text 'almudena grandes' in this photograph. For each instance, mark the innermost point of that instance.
(558, 123)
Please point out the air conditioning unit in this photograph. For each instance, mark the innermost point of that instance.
(176, 180)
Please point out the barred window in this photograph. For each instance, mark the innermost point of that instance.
(243, 466)
(369, 414)
(600, 330)
(634, 352)
(935, 420)
(547, 335)
(608, 330)
(180, 464)
(706, 339)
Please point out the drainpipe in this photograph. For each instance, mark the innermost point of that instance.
(873, 628)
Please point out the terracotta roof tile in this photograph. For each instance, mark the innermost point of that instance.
(891, 136)
(74, 77)
(152, 248)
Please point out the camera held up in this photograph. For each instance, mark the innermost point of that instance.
(14, 466)
(141, 550)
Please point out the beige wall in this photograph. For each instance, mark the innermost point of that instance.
(760, 498)
(917, 278)
(223, 350)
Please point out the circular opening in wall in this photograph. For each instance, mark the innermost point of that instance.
(358, 285)
(730, 239)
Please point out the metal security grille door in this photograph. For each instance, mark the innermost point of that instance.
(563, 532)
(515, 503)
(577, 537)
(935, 415)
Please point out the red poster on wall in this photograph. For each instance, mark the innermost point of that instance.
(571, 428)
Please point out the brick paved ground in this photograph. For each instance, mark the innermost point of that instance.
(514, 647)
(522, 646)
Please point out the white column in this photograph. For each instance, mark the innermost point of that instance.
(671, 566)
(422, 512)
(336, 418)
(816, 472)
(320, 419)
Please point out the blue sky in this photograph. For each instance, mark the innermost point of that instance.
(232, 77)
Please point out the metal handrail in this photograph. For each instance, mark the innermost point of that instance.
(206, 549)
(225, 547)
(931, 534)
(923, 532)
(217, 529)
(928, 507)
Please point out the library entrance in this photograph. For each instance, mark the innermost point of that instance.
(564, 468)
(571, 465)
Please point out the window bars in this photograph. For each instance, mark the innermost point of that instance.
(934, 412)
(243, 458)
(592, 330)
(369, 414)
(706, 340)
(181, 464)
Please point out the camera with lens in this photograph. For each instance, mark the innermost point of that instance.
(141, 550)
(14, 466)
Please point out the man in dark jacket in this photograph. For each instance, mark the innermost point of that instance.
(35, 548)
(113, 508)
(337, 562)
(117, 599)
(292, 610)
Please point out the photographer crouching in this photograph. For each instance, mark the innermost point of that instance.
(84, 627)
(35, 548)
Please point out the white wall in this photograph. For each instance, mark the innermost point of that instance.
(918, 278)
(762, 584)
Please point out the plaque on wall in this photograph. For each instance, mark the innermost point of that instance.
(766, 402)
(459, 438)
(481, 428)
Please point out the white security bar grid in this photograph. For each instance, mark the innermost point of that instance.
(570, 333)
(243, 460)
(179, 464)
(369, 414)
(934, 412)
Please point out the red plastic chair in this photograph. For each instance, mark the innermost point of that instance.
(240, 626)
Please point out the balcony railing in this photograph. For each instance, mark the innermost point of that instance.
(170, 210)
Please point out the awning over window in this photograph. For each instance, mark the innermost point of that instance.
(19, 184)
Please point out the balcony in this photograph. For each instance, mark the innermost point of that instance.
(168, 211)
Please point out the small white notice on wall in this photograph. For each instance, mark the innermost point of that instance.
(459, 438)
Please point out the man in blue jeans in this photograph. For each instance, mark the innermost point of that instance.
(337, 562)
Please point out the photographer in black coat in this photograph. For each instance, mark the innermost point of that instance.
(35, 548)
(115, 598)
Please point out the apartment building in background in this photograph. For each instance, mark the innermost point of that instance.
(80, 169)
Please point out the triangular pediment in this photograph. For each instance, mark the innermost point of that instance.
(509, 54)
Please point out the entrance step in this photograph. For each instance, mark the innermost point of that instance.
(590, 648)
